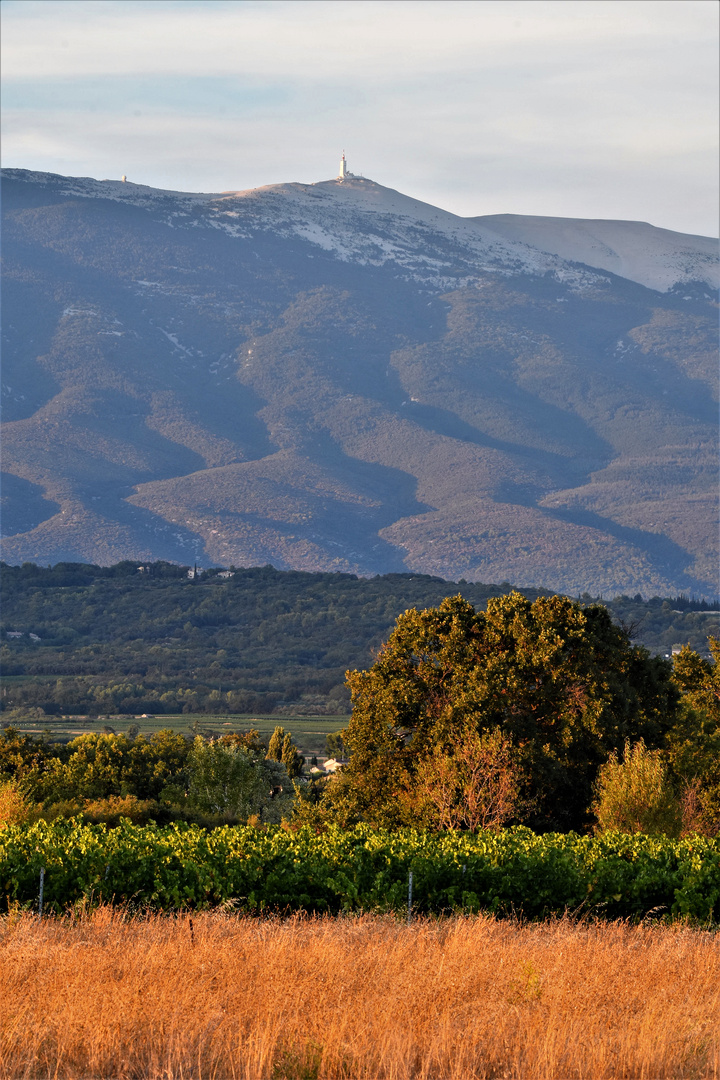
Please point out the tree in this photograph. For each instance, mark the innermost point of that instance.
(699, 681)
(291, 758)
(636, 795)
(232, 781)
(560, 682)
(23, 755)
(694, 744)
(335, 745)
(275, 745)
(281, 748)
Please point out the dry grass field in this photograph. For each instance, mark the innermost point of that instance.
(365, 998)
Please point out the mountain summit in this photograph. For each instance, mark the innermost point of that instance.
(337, 376)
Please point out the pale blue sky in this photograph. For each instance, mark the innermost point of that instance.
(579, 108)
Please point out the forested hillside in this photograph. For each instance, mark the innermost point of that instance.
(97, 640)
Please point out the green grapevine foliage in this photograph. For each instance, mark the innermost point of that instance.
(275, 870)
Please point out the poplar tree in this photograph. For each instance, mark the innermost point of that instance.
(281, 748)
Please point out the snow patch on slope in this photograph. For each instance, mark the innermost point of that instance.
(359, 221)
(656, 258)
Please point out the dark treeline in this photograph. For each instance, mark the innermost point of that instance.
(93, 640)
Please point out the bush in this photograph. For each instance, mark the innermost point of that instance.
(635, 795)
(14, 804)
(700, 811)
(476, 786)
(115, 807)
(234, 781)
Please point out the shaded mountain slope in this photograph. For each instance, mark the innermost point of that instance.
(337, 377)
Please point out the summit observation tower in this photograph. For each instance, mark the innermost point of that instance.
(344, 172)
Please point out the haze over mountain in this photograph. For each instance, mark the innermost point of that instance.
(336, 376)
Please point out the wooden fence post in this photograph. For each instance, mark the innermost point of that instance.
(410, 884)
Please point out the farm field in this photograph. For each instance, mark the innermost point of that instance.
(112, 997)
(308, 732)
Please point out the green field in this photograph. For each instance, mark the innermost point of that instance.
(308, 732)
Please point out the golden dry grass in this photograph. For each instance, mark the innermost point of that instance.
(215, 996)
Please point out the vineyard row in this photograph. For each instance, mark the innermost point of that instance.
(276, 870)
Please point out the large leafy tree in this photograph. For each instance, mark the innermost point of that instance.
(563, 684)
(694, 745)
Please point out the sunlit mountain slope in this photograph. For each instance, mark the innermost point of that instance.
(337, 376)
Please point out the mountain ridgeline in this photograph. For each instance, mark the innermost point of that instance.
(336, 377)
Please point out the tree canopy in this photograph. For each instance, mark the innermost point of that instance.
(694, 745)
(563, 684)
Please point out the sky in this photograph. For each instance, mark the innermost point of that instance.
(571, 108)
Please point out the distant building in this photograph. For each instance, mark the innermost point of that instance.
(226, 573)
(344, 171)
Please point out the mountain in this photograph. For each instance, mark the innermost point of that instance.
(336, 376)
(657, 258)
